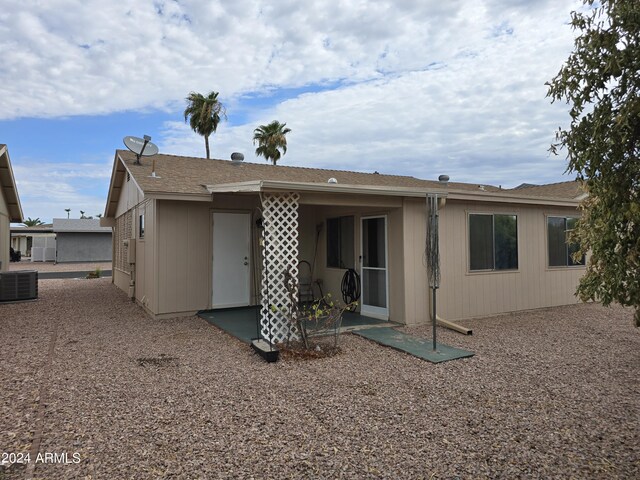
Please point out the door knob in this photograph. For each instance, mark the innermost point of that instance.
(246, 263)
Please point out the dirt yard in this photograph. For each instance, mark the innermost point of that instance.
(93, 388)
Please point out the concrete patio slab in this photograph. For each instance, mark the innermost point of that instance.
(242, 322)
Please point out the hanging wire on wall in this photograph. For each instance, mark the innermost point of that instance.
(432, 250)
(432, 255)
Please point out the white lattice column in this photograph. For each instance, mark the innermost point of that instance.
(280, 253)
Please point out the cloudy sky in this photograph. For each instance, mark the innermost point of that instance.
(410, 87)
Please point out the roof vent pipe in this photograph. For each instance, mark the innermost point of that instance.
(443, 179)
(237, 157)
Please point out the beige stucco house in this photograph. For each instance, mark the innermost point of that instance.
(199, 234)
(10, 208)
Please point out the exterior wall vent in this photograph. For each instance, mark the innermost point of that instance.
(22, 285)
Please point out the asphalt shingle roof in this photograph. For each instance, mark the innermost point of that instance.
(570, 189)
(190, 175)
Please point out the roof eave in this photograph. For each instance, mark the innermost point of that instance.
(13, 204)
(116, 184)
(194, 197)
(258, 186)
(495, 197)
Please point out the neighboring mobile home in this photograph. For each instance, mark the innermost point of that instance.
(23, 239)
(199, 234)
(81, 240)
(10, 208)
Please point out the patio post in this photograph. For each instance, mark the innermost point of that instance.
(280, 254)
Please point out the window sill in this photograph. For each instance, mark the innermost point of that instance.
(490, 272)
(565, 267)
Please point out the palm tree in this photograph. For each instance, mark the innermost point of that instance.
(81, 214)
(271, 139)
(68, 210)
(32, 222)
(204, 114)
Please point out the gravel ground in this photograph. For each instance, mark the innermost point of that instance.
(58, 267)
(549, 394)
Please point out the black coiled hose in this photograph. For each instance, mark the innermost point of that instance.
(350, 287)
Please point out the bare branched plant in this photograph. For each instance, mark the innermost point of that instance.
(320, 318)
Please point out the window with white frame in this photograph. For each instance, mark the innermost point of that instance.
(340, 242)
(560, 249)
(493, 242)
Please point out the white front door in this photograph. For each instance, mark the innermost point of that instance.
(374, 269)
(231, 281)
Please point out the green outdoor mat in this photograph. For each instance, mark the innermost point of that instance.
(418, 347)
(239, 322)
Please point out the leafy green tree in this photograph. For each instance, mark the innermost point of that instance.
(271, 139)
(204, 114)
(33, 222)
(600, 81)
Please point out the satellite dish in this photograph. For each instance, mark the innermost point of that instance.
(142, 147)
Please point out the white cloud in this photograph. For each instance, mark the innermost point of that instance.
(479, 115)
(46, 189)
(425, 87)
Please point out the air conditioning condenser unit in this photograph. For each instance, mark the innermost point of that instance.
(20, 285)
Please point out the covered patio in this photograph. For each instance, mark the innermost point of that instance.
(334, 229)
(244, 322)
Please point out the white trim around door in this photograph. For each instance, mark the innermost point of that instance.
(374, 267)
(231, 270)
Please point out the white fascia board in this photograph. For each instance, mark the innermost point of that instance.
(194, 197)
(510, 198)
(273, 185)
(236, 187)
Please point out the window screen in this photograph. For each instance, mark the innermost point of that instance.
(560, 250)
(340, 239)
(506, 242)
(481, 242)
(493, 242)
